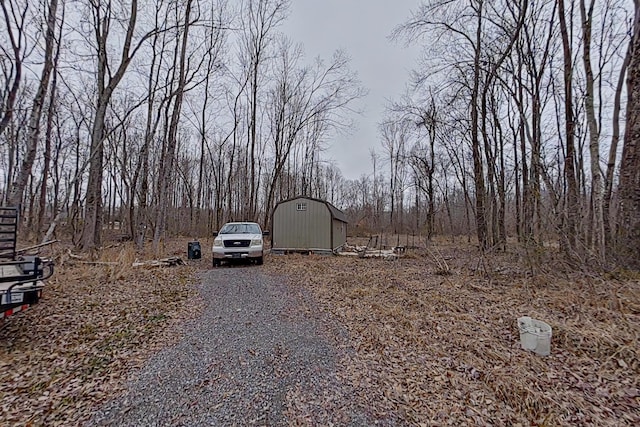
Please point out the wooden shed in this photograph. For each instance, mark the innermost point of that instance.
(304, 224)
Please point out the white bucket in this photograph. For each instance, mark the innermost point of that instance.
(535, 335)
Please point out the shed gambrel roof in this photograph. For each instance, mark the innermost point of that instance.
(335, 212)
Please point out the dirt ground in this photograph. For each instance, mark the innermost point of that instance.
(434, 335)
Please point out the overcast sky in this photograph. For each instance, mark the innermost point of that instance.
(361, 28)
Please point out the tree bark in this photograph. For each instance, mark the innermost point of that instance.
(478, 170)
(613, 151)
(572, 208)
(12, 87)
(628, 242)
(17, 189)
(91, 232)
(597, 224)
(167, 166)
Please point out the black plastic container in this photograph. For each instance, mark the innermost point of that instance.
(194, 251)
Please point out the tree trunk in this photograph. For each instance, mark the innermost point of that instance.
(572, 209)
(17, 189)
(11, 87)
(91, 232)
(478, 170)
(167, 168)
(47, 156)
(597, 224)
(613, 151)
(628, 244)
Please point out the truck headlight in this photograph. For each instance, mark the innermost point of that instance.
(256, 242)
(217, 243)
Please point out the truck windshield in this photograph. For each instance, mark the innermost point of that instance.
(240, 229)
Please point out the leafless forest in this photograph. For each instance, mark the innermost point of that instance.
(511, 163)
(166, 118)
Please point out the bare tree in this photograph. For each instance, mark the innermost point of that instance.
(421, 158)
(305, 99)
(613, 150)
(104, 15)
(14, 17)
(260, 19)
(214, 42)
(570, 230)
(395, 140)
(49, 136)
(485, 36)
(15, 195)
(158, 94)
(628, 244)
(167, 164)
(597, 224)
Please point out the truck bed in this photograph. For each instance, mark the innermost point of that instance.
(21, 276)
(21, 284)
(7, 271)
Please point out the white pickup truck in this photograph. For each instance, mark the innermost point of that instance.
(239, 240)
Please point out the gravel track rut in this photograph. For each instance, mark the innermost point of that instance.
(257, 355)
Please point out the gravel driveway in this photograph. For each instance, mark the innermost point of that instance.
(258, 355)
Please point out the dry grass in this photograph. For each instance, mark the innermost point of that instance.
(444, 349)
(95, 324)
(430, 348)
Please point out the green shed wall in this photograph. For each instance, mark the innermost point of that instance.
(339, 233)
(302, 230)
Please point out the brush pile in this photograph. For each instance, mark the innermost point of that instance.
(367, 252)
